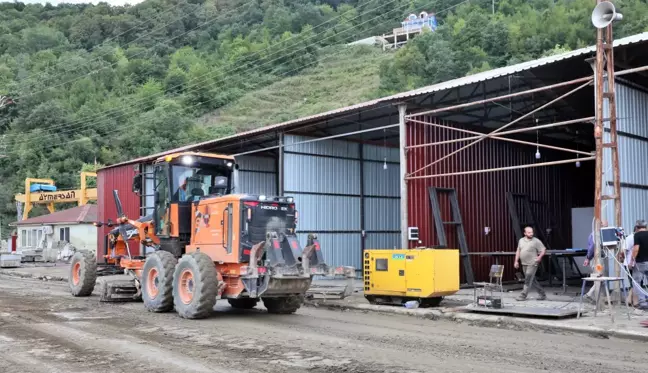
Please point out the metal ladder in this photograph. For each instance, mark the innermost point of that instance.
(518, 225)
(527, 212)
(456, 221)
(146, 176)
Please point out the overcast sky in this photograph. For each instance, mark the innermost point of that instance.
(56, 2)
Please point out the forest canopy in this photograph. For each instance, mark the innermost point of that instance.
(98, 84)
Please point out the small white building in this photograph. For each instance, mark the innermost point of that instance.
(74, 226)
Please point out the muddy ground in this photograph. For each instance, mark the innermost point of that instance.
(44, 329)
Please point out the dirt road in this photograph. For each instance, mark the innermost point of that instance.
(44, 329)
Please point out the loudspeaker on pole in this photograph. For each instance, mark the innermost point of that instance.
(605, 13)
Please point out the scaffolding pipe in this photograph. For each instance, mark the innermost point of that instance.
(552, 163)
(538, 144)
(543, 126)
(485, 136)
(616, 175)
(598, 140)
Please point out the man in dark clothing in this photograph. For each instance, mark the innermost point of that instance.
(639, 260)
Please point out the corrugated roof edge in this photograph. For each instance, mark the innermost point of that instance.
(479, 77)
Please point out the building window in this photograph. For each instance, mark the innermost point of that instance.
(23, 238)
(64, 234)
(32, 237)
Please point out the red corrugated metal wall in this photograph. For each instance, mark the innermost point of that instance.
(482, 197)
(120, 179)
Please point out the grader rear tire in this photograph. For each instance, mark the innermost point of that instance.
(243, 303)
(283, 305)
(157, 281)
(195, 286)
(83, 274)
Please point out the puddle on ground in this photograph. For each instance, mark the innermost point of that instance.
(5, 338)
(73, 316)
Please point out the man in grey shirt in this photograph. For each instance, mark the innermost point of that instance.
(530, 251)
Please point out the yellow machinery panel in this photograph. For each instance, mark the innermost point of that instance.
(396, 276)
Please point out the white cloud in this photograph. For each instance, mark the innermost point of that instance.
(57, 2)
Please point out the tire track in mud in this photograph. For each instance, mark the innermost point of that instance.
(126, 338)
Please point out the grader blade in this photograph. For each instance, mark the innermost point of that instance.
(119, 291)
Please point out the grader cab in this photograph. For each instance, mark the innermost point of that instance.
(207, 244)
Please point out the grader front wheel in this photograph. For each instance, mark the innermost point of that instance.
(83, 274)
(195, 286)
(157, 282)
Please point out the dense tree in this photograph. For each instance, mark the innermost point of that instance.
(95, 84)
(471, 38)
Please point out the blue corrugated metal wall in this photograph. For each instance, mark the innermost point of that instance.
(325, 179)
(632, 129)
(256, 175)
(382, 201)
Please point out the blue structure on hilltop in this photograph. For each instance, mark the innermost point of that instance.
(422, 20)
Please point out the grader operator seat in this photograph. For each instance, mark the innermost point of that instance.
(220, 186)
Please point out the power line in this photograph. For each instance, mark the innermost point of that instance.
(142, 101)
(129, 126)
(210, 20)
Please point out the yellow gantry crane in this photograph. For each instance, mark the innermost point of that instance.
(80, 196)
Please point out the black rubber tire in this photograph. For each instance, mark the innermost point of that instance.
(164, 263)
(87, 276)
(205, 286)
(283, 305)
(430, 302)
(243, 303)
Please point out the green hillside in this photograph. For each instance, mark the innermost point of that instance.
(343, 75)
(97, 84)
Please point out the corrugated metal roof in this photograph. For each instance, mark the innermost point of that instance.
(476, 78)
(509, 70)
(80, 214)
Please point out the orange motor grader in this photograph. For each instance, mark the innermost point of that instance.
(205, 244)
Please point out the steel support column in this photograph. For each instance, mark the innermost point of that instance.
(280, 164)
(402, 126)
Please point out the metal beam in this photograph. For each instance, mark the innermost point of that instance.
(553, 163)
(485, 136)
(402, 125)
(479, 134)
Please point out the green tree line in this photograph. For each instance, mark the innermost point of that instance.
(97, 84)
(472, 38)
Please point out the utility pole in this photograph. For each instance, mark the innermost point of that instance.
(603, 16)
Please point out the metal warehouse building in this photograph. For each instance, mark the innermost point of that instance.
(343, 166)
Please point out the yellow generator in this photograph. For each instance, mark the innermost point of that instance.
(397, 276)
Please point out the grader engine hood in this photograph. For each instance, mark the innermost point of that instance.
(263, 217)
(278, 264)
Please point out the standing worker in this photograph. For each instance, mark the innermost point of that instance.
(530, 251)
(639, 260)
(626, 256)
